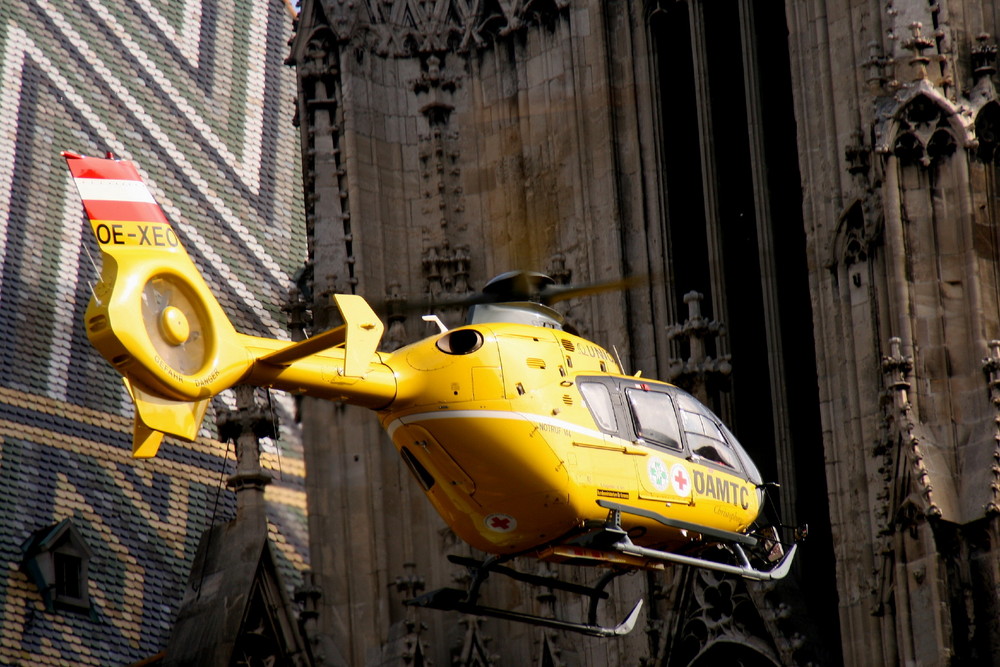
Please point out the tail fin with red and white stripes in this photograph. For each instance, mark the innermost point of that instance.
(153, 317)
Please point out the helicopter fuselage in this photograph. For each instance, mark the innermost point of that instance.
(515, 432)
(525, 437)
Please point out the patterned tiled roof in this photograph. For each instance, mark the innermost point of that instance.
(196, 94)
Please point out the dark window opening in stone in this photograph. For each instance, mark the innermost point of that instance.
(908, 149)
(69, 575)
(988, 133)
(682, 168)
(988, 231)
(941, 146)
(734, 227)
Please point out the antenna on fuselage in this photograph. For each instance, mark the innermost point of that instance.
(436, 320)
(618, 358)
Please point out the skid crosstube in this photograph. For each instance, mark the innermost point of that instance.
(609, 546)
(453, 599)
(466, 602)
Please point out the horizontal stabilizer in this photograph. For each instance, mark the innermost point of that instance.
(360, 335)
(310, 346)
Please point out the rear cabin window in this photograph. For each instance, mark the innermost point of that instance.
(598, 400)
(704, 437)
(655, 420)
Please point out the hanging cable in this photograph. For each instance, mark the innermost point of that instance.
(274, 429)
(215, 511)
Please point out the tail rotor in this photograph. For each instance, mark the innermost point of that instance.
(175, 324)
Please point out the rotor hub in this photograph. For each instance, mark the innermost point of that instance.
(174, 326)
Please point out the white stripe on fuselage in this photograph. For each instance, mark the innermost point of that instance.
(496, 414)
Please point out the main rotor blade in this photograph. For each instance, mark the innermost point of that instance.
(519, 286)
(556, 293)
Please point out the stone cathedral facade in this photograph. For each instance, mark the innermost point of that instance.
(97, 547)
(813, 190)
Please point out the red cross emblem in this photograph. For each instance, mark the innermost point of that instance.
(500, 523)
(680, 480)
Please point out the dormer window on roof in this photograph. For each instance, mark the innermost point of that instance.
(56, 559)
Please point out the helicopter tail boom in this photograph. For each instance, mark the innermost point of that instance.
(154, 318)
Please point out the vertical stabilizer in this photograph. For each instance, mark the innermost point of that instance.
(152, 316)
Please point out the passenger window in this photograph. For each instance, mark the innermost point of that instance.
(598, 400)
(655, 420)
(704, 436)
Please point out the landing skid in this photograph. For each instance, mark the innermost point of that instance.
(625, 554)
(466, 602)
(609, 546)
(743, 569)
(734, 542)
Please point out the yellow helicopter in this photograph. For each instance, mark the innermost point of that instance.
(527, 439)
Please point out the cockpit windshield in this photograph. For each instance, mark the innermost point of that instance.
(662, 415)
(704, 436)
(753, 474)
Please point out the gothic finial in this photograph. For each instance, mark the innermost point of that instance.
(245, 426)
(857, 154)
(875, 65)
(918, 44)
(558, 270)
(984, 57)
(297, 305)
(693, 373)
(410, 584)
(897, 369)
(991, 366)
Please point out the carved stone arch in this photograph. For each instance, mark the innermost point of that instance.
(987, 159)
(492, 22)
(544, 13)
(924, 132)
(922, 126)
(851, 241)
(987, 128)
(721, 625)
(314, 52)
(854, 245)
(933, 295)
(652, 10)
(727, 652)
(410, 42)
(456, 28)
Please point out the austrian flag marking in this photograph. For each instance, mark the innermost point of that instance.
(113, 192)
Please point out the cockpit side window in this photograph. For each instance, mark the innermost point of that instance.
(598, 399)
(655, 419)
(704, 436)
